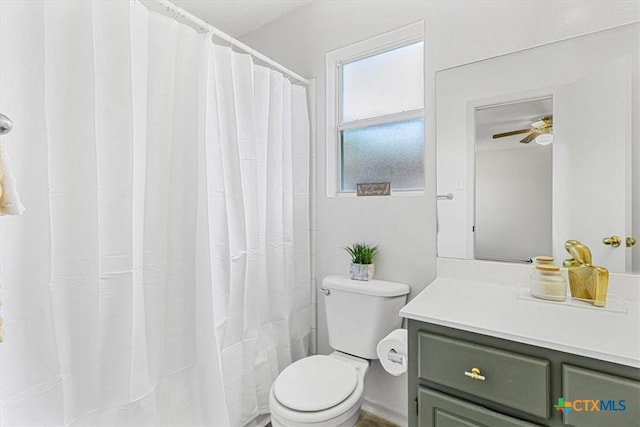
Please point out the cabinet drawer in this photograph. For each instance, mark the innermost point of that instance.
(506, 378)
(441, 410)
(598, 399)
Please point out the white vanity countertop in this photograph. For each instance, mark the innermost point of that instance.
(496, 310)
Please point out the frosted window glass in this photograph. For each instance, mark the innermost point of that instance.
(387, 83)
(384, 153)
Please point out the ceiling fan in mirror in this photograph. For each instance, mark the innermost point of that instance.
(540, 131)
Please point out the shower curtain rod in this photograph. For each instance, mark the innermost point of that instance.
(176, 11)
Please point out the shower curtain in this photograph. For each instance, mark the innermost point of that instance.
(160, 275)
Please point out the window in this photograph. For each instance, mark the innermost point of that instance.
(375, 109)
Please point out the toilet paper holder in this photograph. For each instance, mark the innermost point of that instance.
(396, 357)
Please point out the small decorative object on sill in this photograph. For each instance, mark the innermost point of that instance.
(374, 189)
(362, 266)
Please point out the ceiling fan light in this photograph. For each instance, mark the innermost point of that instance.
(544, 139)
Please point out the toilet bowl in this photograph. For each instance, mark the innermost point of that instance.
(319, 391)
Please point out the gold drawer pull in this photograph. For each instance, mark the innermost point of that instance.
(475, 374)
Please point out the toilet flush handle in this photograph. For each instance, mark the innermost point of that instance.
(326, 291)
(395, 357)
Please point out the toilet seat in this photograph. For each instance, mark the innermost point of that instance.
(344, 413)
(315, 383)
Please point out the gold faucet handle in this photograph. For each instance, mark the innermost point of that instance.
(631, 241)
(613, 241)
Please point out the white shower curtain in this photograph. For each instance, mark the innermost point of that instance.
(258, 209)
(160, 275)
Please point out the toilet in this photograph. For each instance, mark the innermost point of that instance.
(328, 391)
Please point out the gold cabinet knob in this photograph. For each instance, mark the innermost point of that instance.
(475, 374)
(614, 241)
(631, 241)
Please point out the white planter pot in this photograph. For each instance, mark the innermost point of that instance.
(361, 271)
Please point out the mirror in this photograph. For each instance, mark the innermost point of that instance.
(508, 165)
(515, 200)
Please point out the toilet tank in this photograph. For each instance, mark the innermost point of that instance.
(361, 313)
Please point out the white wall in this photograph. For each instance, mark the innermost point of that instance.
(513, 203)
(456, 33)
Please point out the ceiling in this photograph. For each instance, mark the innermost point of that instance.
(240, 17)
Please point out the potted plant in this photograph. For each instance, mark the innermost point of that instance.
(362, 267)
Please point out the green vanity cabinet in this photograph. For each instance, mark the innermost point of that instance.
(517, 381)
(441, 410)
(459, 378)
(599, 399)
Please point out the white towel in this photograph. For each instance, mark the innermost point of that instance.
(9, 200)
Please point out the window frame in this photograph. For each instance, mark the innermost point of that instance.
(391, 40)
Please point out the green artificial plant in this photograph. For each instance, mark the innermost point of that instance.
(361, 253)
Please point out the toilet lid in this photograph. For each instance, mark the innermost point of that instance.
(315, 383)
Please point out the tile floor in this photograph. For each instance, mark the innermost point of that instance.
(370, 420)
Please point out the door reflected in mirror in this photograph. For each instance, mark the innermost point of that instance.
(513, 180)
